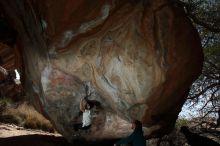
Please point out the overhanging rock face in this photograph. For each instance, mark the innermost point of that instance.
(135, 59)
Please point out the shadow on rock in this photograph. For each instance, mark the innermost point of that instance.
(48, 140)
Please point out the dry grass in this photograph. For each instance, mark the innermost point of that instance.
(25, 115)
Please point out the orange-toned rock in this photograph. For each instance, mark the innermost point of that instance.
(136, 58)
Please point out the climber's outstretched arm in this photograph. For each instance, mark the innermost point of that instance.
(82, 105)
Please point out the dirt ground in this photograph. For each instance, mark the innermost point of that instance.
(11, 135)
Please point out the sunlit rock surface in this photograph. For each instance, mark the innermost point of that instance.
(137, 59)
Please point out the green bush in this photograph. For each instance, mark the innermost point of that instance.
(181, 122)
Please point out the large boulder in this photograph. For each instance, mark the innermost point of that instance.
(135, 59)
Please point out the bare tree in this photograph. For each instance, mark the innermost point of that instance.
(205, 91)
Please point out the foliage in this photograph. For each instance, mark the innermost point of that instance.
(24, 115)
(181, 122)
(205, 91)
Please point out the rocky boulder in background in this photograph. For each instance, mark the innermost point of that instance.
(135, 59)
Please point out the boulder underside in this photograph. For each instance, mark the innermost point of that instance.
(134, 59)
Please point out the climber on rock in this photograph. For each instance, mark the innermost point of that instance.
(86, 118)
(85, 108)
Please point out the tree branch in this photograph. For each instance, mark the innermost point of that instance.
(202, 23)
(203, 91)
(188, 8)
(210, 99)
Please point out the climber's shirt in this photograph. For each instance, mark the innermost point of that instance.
(87, 118)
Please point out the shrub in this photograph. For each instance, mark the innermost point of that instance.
(25, 115)
(181, 122)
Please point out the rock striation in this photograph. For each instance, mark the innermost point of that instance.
(136, 59)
